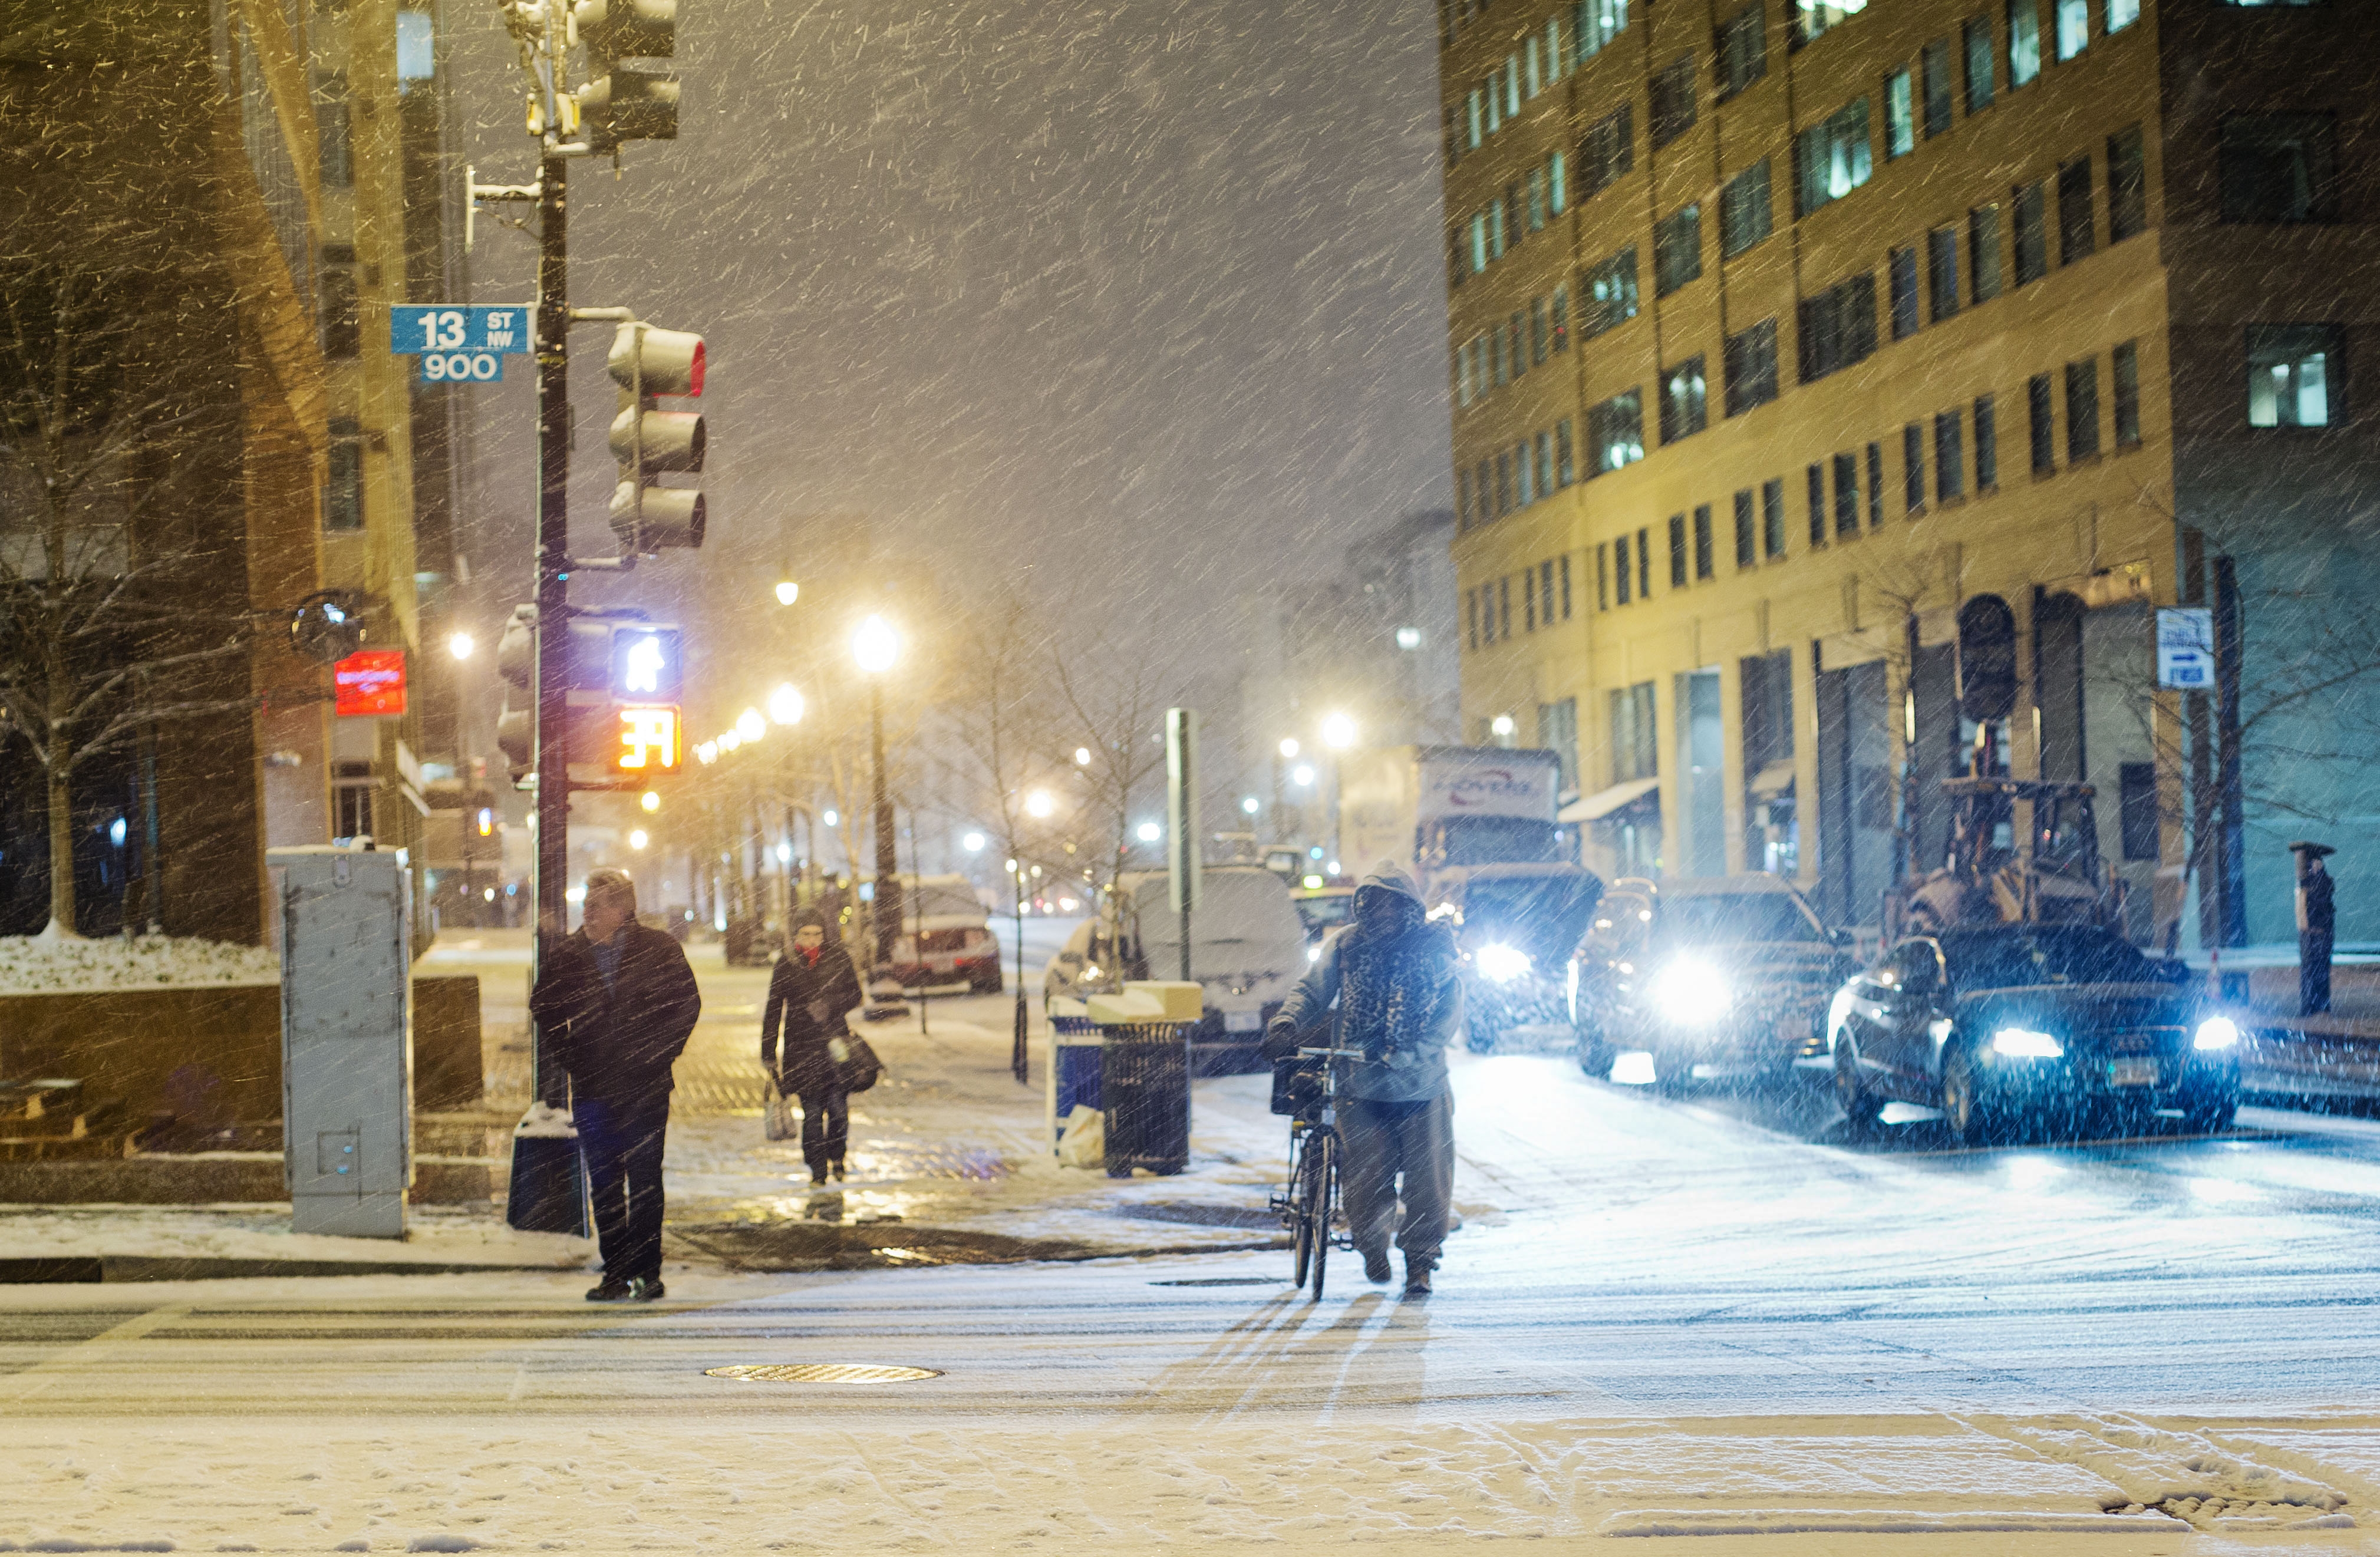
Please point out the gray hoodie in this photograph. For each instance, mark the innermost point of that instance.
(1415, 1073)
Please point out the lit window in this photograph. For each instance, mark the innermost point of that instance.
(2288, 374)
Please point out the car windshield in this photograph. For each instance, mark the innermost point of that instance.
(1322, 913)
(1736, 917)
(2076, 955)
(941, 899)
(1546, 914)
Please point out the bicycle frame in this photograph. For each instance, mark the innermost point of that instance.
(1309, 1205)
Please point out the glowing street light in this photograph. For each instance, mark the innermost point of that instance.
(1288, 747)
(1302, 774)
(1501, 725)
(750, 725)
(1408, 638)
(973, 842)
(831, 817)
(708, 751)
(1251, 805)
(1038, 804)
(1150, 832)
(1337, 732)
(1082, 757)
(460, 645)
(785, 705)
(650, 801)
(638, 839)
(788, 591)
(876, 646)
(729, 740)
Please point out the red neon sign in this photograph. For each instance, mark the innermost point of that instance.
(371, 682)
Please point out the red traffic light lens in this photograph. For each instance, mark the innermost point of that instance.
(694, 374)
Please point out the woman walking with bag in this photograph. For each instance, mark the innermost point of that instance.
(812, 989)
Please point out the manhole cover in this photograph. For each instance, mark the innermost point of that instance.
(823, 1373)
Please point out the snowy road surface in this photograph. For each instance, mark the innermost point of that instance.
(1712, 1317)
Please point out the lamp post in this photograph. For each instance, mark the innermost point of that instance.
(875, 647)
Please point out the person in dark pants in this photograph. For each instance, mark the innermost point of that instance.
(617, 1002)
(2317, 921)
(1391, 976)
(811, 993)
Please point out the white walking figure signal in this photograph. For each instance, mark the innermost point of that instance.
(645, 666)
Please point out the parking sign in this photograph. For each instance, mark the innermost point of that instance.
(2185, 647)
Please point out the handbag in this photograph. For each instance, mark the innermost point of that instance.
(780, 1119)
(856, 1064)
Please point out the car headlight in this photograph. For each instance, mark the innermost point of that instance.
(1691, 992)
(2215, 1032)
(1500, 963)
(1314, 954)
(2026, 1044)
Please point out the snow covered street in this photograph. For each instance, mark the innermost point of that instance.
(1714, 1317)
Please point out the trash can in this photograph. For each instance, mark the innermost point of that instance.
(1145, 1092)
(1074, 1069)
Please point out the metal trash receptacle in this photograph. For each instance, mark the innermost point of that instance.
(1145, 1092)
(1073, 1070)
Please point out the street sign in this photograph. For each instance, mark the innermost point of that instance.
(646, 667)
(2185, 647)
(416, 330)
(462, 367)
(369, 683)
(648, 741)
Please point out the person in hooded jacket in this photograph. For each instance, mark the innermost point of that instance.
(1390, 976)
(811, 993)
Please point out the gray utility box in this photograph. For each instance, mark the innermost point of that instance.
(347, 1038)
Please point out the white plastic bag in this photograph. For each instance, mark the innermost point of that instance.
(1083, 1142)
(781, 1118)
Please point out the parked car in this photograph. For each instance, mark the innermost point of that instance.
(946, 937)
(1321, 910)
(1516, 927)
(2011, 1028)
(1716, 977)
(1247, 948)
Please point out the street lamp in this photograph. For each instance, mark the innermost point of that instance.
(785, 705)
(1082, 757)
(638, 839)
(1302, 775)
(875, 646)
(1337, 732)
(1039, 805)
(750, 725)
(1288, 747)
(788, 591)
(650, 801)
(460, 645)
(973, 842)
(1151, 832)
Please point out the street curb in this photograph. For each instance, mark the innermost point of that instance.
(118, 1268)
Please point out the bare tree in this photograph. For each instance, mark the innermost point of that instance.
(100, 610)
(1115, 702)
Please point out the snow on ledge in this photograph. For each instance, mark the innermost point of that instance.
(39, 965)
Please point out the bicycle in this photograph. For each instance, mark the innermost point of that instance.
(1310, 1207)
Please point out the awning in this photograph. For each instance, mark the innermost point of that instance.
(1772, 781)
(1603, 802)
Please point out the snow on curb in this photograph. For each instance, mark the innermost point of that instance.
(34, 966)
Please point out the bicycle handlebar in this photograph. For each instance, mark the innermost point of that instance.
(1304, 1053)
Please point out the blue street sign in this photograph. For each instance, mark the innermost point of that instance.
(415, 329)
(462, 367)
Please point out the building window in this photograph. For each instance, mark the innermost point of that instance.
(1984, 253)
(2290, 369)
(2122, 14)
(1987, 446)
(1935, 64)
(1751, 367)
(2128, 186)
(1634, 742)
(1913, 469)
(2082, 410)
(1545, 442)
(1474, 119)
(2280, 167)
(1615, 431)
(1620, 562)
(1831, 158)
(1565, 462)
(2032, 204)
(1677, 551)
(1673, 102)
(2077, 226)
(343, 493)
(1744, 213)
(1525, 470)
(1512, 87)
(1558, 182)
(1904, 293)
(1847, 495)
(1813, 17)
(1814, 489)
(1565, 586)
(2136, 796)
(1495, 229)
(1772, 518)
(1747, 531)
(1537, 199)
(1742, 50)
(1607, 292)
(1606, 153)
(2125, 365)
(1471, 615)
(1975, 37)
(1504, 606)
(1560, 311)
(1942, 271)
(1837, 327)
(1602, 578)
(2073, 28)
(1599, 21)
(1684, 408)
(1503, 484)
(342, 311)
(351, 799)
(1676, 250)
(1874, 485)
(1900, 115)
(338, 159)
(1532, 72)
(1706, 562)
(1529, 600)
(2025, 42)
(1949, 459)
(2040, 425)
(1538, 330)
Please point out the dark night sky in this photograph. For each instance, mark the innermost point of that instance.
(1137, 304)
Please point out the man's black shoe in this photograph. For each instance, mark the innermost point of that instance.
(1417, 1277)
(646, 1289)
(1376, 1266)
(611, 1291)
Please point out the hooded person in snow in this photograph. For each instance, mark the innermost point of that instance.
(811, 993)
(1391, 974)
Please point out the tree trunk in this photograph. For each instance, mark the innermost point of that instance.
(62, 876)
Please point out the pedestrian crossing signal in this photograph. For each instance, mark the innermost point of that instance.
(646, 738)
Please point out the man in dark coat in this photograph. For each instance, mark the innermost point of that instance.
(811, 993)
(616, 1002)
(1390, 976)
(2317, 922)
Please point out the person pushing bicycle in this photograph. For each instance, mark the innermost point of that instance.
(1390, 976)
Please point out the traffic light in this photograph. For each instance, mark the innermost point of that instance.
(621, 102)
(645, 363)
(587, 679)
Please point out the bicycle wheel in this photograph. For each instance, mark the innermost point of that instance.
(1302, 1223)
(1325, 1150)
